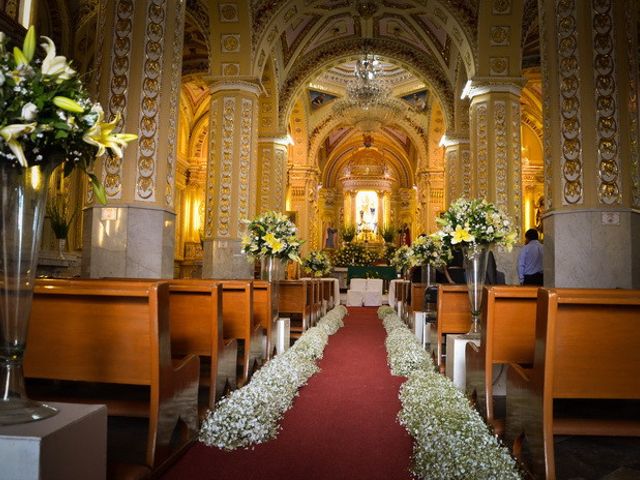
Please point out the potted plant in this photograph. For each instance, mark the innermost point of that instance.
(60, 226)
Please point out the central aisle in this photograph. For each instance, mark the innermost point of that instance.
(342, 426)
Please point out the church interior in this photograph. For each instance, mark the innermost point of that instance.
(362, 121)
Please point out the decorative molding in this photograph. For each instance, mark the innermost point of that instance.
(176, 67)
(226, 167)
(482, 145)
(609, 182)
(516, 162)
(228, 12)
(118, 87)
(500, 36)
(501, 7)
(230, 42)
(546, 110)
(483, 85)
(247, 107)
(465, 156)
(570, 108)
(236, 84)
(150, 101)
(266, 164)
(452, 139)
(213, 172)
(634, 134)
(500, 153)
(452, 157)
(499, 66)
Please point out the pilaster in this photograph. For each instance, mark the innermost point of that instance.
(457, 158)
(272, 165)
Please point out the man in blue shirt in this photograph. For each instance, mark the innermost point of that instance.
(530, 259)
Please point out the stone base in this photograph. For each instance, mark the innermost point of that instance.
(131, 242)
(224, 259)
(592, 249)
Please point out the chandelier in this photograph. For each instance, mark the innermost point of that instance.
(368, 104)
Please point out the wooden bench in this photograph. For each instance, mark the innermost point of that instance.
(586, 348)
(507, 334)
(240, 322)
(417, 296)
(265, 310)
(402, 297)
(453, 315)
(328, 301)
(294, 301)
(196, 315)
(102, 334)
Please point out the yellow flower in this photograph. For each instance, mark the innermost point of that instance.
(461, 235)
(67, 104)
(101, 136)
(274, 244)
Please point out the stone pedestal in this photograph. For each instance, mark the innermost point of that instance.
(223, 258)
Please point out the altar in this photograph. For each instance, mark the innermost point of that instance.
(386, 273)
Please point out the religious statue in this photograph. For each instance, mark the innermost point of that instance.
(539, 213)
(330, 237)
(405, 235)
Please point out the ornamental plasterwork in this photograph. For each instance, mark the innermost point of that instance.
(279, 178)
(245, 170)
(499, 66)
(501, 7)
(546, 111)
(266, 162)
(500, 153)
(150, 102)
(516, 161)
(200, 13)
(452, 173)
(500, 36)
(570, 108)
(118, 87)
(226, 168)
(634, 135)
(228, 12)
(465, 155)
(609, 183)
(482, 154)
(230, 69)
(178, 38)
(230, 43)
(213, 172)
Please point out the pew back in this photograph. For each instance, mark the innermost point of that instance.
(453, 316)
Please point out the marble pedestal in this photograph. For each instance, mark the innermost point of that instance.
(223, 258)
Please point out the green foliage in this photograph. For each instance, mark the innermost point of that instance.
(59, 222)
(388, 233)
(348, 233)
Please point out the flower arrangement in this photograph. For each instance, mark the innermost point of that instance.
(430, 249)
(475, 222)
(271, 234)
(47, 116)
(354, 254)
(388, 233)
(348, 233)
(59, 222)
(451, 441)
(402, 258)
(317, 263)
(251, 414)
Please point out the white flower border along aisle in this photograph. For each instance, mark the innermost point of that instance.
(252, 414)
(451, 441)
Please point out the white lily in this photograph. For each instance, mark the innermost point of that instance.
(55, 66)
(29, 111)
(9, 134)
(101, 136)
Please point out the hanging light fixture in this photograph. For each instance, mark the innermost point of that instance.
(368, 104)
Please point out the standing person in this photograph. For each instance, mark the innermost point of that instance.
(530, 260)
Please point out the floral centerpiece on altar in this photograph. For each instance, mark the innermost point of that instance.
(271, 234)
(353, 254)
(317, 263)
(474, 226)
(46, 119)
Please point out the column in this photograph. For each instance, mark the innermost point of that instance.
(495, 143)
(386, 208)
(430, 200)
(138, 60)
(303, 182)
(349, 208)
(272, 164)
(592, 180)
(457, 159)
(231, 178)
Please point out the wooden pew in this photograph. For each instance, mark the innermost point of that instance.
(402, 295)
(102, 334)
(507, 334)
(241, 323)
(453, 315)
(326, 285)
(586, 348)
(195, 310)
(293, 301)
(417, 296)
(266, 312)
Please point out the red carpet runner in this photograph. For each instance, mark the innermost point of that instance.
(342, 426)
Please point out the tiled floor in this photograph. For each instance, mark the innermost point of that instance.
(597, 458)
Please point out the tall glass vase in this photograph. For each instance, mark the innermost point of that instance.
(475, 269)
(23, 195)
(272, 270)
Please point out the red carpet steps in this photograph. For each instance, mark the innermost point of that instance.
(342, 426)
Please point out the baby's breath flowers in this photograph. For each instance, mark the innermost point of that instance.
(47, 117)
(251, 414)
(451, 441)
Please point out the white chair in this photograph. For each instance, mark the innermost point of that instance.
(373, 293)
(355, 294)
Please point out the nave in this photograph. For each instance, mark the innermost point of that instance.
(342, 425)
